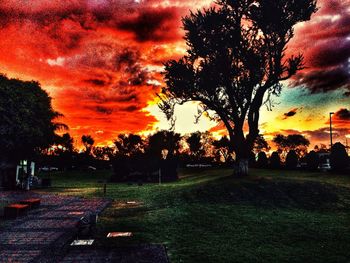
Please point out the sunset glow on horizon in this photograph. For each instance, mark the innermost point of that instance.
(101, 62)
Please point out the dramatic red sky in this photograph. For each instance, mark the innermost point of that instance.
(100, 61)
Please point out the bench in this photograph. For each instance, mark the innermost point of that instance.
(32, 203)
(15, 210)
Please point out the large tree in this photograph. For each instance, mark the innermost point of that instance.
(236, 59)
(27, 119)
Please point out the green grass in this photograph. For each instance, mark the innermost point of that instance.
(198, 221)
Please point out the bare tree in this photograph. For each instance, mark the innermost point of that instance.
(235, 61)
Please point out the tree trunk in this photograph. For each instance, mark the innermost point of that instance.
(241, 167)
(242, 151)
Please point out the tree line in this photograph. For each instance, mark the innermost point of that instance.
(133, 151)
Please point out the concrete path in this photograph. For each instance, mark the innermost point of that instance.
(44, 235)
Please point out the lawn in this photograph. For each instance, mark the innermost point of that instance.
(209, 216)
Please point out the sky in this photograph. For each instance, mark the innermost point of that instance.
(101, 62)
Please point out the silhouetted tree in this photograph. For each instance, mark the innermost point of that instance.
(275, 160)
(103, 153)
(312, 160)
(194, 141)
(27, 120)
(261, 144)
(88, 143)
(339, 159)
(262, 161)
(296, 142)
(223, 149)
(129, 144)
(64, 150)
(291, 160)
(161, 141)
(322, 148)
(235, 58)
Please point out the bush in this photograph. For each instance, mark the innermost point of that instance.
(262, 161)
(252, 161)
(291, 160)
(312, 160)
(339, 159)
(275, 160)
(121, 169)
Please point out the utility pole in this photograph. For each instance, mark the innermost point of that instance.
(330, 127)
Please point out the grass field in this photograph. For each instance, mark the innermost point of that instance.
(209, 216)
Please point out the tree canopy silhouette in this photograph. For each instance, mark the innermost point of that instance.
(235, 58)
(129, 144)
(296, 142)
(164, 140)
(27, 119)
(88, 143)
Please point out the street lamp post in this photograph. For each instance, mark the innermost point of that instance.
(330, 127)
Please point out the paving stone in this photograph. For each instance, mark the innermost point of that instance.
(48, 223)
(62, 214)
(84, 205)
(18, 256)
(29, 238)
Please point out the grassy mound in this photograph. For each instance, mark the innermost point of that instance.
(263, 192)
(208, 216)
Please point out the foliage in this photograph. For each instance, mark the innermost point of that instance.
(236, 55)
(262, 161)
(129, 144)
(88, 143)
(295, 142)
(275, 160)
(291, 160)
(27, 119)
(103, 153)
(223, 149)
(199, 144)
(161, 141)
(312, 160)
(261, 144)
(339, 158)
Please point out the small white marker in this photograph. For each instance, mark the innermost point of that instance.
(119, 234)
(82, 242)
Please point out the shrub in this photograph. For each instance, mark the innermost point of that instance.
(291, 160)
(339, 159)
(275, 160)
(262, 161)
(312, 160)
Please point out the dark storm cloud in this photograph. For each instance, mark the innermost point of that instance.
(96, 82)
(322, 134)
(131, 108)
(290, 113)
(326, 46)
(343, 114)
(104, 110)
(324, 80)
(151, 25)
